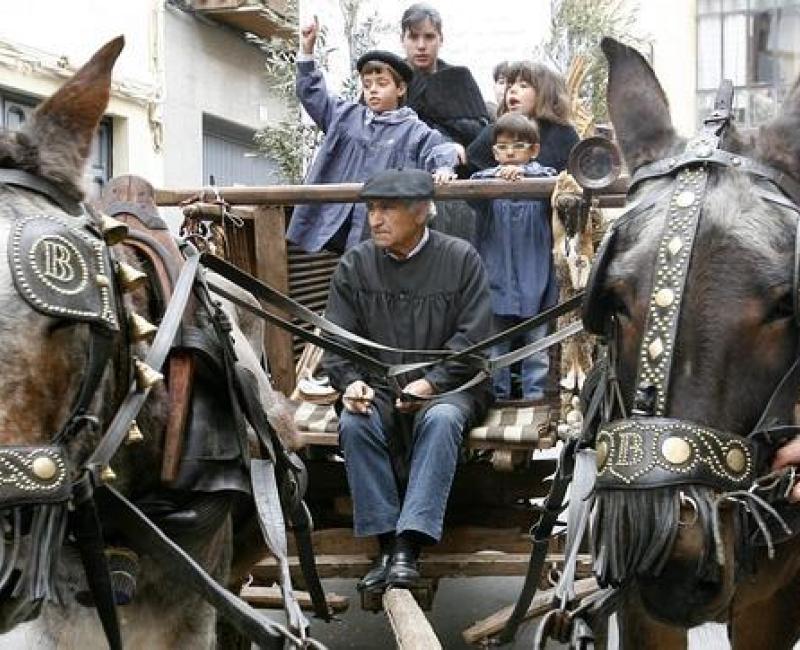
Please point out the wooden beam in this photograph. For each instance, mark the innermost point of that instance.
(541, 188)
(412, 630)
(433, 565)
(269, 231)
(271, 598)
(542, 602)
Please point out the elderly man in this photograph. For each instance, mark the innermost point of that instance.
(413, 288)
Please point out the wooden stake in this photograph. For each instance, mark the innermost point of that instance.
(542, 603)
(412, 630)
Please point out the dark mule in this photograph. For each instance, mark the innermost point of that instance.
(675, 526)
(46, 332)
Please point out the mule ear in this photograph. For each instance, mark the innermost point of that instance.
(62, 127)
(637, 105)
(778, 143)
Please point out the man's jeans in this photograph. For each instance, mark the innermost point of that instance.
(376, 501)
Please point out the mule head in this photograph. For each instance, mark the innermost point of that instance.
(44, 352)
(736, 337)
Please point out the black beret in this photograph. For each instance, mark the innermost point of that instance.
(392, 60)
(399, 184)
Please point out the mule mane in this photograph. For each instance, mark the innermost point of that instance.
(60, 162)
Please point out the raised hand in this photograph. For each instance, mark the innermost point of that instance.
(308, 36)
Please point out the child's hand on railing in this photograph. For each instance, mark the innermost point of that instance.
(443, 176)
(308, 36)
(510, 172)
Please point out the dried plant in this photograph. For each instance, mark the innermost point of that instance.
(576, 29)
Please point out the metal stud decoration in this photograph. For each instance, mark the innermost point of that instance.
(672, 263)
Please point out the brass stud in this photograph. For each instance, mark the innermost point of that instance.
(655, 349)
(674, 246)
(146, 377)
(107, 475)
(664, 297)
(676, 450)
(102, 280)
(134, 434)
(44, 468)
(602, 454)
(141, 329)
(114, 231)
(684, 199)
(703, 150)
(736, 460)
(130, 278)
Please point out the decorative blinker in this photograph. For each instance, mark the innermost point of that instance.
(62, 269)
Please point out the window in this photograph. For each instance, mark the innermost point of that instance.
(756, 44)
(16, 109)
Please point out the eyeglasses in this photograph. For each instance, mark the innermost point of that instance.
(512, 146)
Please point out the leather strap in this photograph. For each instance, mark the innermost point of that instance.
(85, 525)
(552, 508)
(148, 539)
(118, 429)
(19, 178)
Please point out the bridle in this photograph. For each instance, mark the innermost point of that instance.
(640, 448)
(63, 266)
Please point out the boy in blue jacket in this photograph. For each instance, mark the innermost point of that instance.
(514, 239)
(361, 139)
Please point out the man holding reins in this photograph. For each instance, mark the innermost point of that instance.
(413, 288)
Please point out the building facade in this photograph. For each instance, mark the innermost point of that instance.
(189, 90)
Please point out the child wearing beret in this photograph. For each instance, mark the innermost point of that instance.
(361, 139)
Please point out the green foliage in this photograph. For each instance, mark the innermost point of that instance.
(576, 28)
(290, 142)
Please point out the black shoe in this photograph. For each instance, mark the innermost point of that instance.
(403, 570)
(375, 579)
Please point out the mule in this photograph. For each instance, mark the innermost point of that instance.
(684, 551)
(45, 600)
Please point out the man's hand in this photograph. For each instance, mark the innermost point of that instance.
(420, 387)
(443, 176)
(308, 37)
(357, 397)
(510, 172)
(787, 455)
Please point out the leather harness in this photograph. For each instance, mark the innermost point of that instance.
(644, 449)
(63, 268)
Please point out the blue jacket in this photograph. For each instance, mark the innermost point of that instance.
(358, 143)
(514, 239)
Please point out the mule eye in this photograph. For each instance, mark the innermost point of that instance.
(780, 308)
(620, 307)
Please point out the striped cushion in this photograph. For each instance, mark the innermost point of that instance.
(507, 424)
(525, 424)
(316, 418)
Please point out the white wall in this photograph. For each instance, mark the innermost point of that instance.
(211, 70)
(43, 41)
(672, 24)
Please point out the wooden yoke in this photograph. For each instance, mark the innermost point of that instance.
(131, 199)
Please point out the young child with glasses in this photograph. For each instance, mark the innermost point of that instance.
(514, 239)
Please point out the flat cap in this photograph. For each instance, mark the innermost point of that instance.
(392, 60)
(399, 184)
